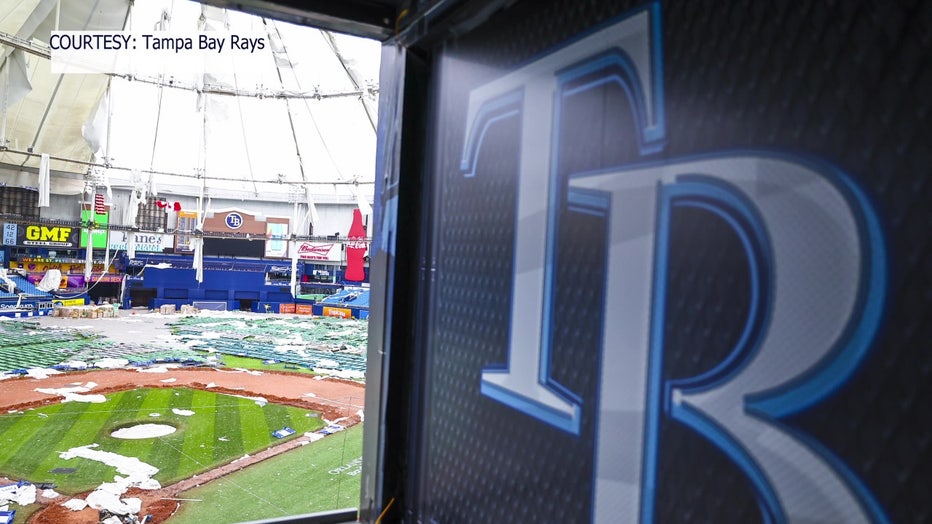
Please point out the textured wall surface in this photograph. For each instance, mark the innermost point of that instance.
(839, 81)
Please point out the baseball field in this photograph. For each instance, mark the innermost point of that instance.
(211, 429)
(181, 443)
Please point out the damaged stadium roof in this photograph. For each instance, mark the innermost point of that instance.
(293, 120)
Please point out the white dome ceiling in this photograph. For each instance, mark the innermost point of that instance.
(293, 120)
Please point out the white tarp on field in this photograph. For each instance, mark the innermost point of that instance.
(23, 495)
(108, 495)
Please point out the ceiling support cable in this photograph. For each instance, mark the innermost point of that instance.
(3, 104)
(170, 173)
(109, 94)
(278, 71)
(309, 112)
(311, 206)
(242, 128)
(155, 137)
(162, 25)
(332, 42)
(242, 124)
(127, 22)
(202, 163)
(335, 49)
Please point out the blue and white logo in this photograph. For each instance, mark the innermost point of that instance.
(818, 281)
(234, 220)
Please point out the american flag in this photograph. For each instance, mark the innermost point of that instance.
(99, 207)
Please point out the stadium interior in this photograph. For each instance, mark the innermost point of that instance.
(465, 261)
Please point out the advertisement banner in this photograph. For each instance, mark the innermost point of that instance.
(28, 305)
(339, 312)
(31, 235)
(145, 242)
(41, 265)
(286, 308)
(276, 245)
(330, 252)
(68, 301)
(101, 219)
(303, 309)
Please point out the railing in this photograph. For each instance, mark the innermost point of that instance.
(339, 516)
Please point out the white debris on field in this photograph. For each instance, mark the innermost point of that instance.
(75, 504)
(153, 369)
(112, 363)
(75, 393)
(261, 402)
(143, 431)
(41, 373)
(107, 495)
(341, 373)
(23, 495)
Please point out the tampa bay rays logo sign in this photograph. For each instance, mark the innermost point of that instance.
(818, 281)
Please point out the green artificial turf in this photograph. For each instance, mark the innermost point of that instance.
(223, 428)
(320, 476)
(235, 361)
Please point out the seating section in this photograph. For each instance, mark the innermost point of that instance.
(28, 287)
(349, 297)
(209, 264)
(310, 343)
(25, 345)
(23, 286)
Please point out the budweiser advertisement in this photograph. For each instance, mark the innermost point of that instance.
(319, 251)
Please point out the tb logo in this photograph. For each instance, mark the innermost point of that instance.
(234, 220)
(818, 279)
